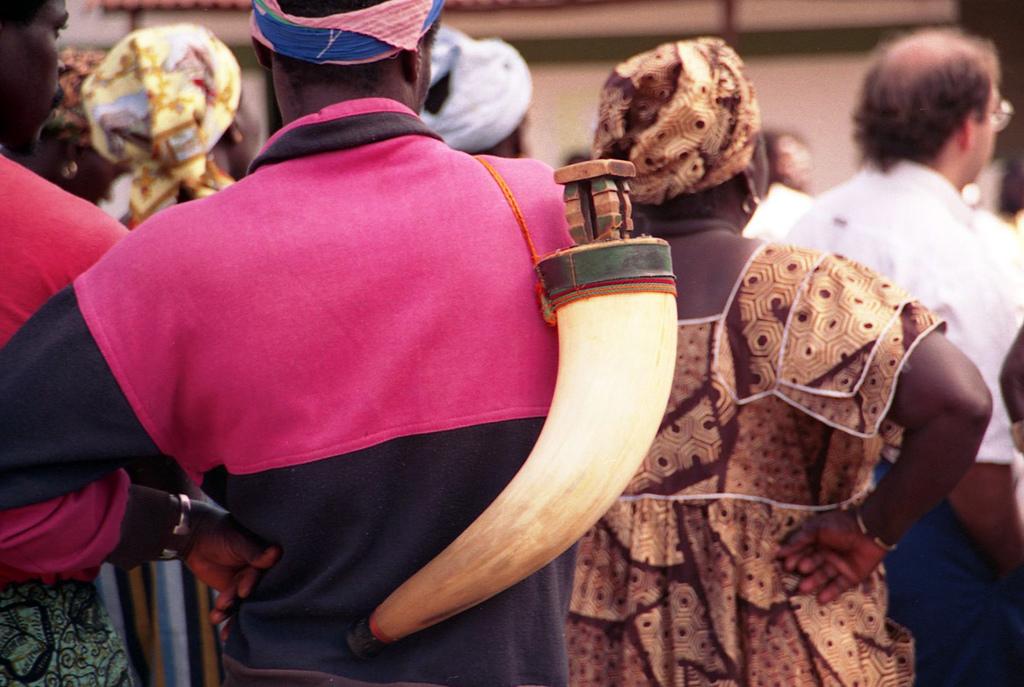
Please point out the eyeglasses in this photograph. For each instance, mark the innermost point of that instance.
(1001, 116)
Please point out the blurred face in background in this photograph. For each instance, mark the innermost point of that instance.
(994, 119)
(792, 163)
(28, 73)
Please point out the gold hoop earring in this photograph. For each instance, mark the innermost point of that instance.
(69, 169)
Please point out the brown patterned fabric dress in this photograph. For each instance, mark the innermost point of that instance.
(776, 413)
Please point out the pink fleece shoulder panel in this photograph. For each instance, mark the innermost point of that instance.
(65, 537)
(331, 303)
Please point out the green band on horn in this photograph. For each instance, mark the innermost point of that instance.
(605, 267)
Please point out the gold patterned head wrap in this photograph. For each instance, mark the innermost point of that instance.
(160, 101)
(68, 121)
(684, 114)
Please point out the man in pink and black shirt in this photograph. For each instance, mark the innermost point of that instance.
(345, 347)
(57, 528)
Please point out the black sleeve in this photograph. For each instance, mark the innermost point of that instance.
(63, 419)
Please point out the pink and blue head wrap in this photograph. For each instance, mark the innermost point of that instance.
(366, 35)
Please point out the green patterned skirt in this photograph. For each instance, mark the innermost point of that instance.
(58, 635)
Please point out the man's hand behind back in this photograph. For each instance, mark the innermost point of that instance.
(226, 556)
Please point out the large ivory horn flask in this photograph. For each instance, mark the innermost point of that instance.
(614, 301)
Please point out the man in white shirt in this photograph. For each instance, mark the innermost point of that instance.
(926, 124)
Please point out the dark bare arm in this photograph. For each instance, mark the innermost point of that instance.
(1011, 380)
(944, 407)
(986, 500)
(986, 504)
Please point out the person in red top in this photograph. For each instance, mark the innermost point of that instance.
(49, 238)
(55, 631)
(345, 345)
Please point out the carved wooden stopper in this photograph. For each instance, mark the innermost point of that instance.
(597, 205)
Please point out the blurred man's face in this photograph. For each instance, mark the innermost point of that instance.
(28, 74)
(985, 140)
(794, 163)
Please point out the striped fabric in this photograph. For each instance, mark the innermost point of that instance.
(366, 35)
(160, 611)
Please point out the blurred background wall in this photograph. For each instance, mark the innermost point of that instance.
(806, 57)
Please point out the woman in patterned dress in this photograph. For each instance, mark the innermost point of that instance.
(747, 549)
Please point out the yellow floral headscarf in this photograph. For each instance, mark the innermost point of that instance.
(684, 114)
(160, 101)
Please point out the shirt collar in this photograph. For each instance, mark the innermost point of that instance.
(341, 127)
(926, 179)
(346, 108)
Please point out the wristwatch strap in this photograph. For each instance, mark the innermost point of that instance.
(181, 530)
